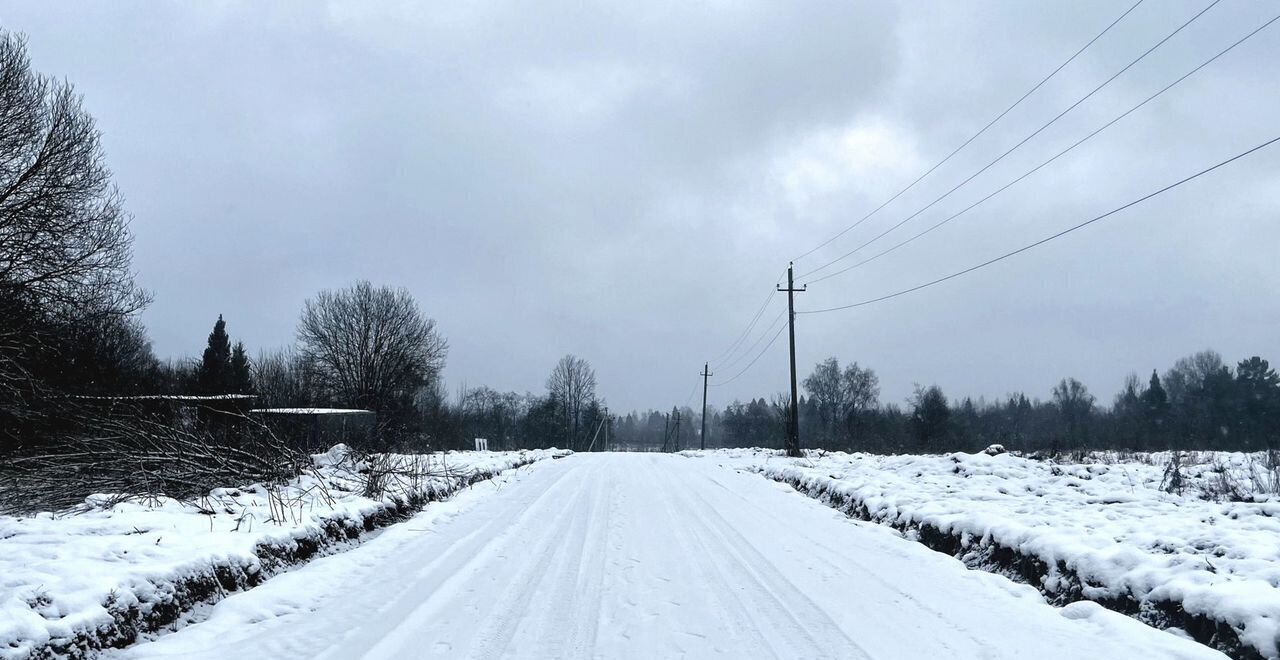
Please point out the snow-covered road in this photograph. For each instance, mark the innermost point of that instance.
(649, 556)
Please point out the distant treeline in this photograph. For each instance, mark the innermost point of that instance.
(1201, 402)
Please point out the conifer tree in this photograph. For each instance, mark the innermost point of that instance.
(1155, 401)
(1258, 400)
(241, 377)
(1155, 413)
(213, 376)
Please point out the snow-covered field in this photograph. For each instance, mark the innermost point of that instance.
(94, 575)
(1106, 532)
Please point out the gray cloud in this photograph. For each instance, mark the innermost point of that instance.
(625, 182)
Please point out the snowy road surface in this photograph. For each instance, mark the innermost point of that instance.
(649, 556)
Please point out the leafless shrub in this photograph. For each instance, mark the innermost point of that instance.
(288, 505)
(1223, 484)
(404, 475)
(1264, 472)
(1174, 480)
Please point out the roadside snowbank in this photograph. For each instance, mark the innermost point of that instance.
(99, 576)
(1100, 532)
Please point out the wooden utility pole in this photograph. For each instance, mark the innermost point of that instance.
(706, 373)
(677, 416)
(793, 424)
(604, 424)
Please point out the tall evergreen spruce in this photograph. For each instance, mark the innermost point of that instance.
(214, 374)
(1155, 401)
(241, 378)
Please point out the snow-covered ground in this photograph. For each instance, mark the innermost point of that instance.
(105, 566)
(1109, 524)
(650, 557)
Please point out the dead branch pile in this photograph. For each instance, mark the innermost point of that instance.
(137, 457)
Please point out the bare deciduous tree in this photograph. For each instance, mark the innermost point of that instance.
(572, 385)
(826, 389)
(370, 347)
(280, 379)
(65, 248)
(64, 239)
(1075, 404)
(841, 395)
(1190, 372)
(493, 415)
(862, 393)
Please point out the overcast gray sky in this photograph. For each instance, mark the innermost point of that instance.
(625, 182)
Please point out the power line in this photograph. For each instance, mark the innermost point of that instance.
(1042, 165)
(975, 136)
(756, 358)
(1051, 237)
(731, 363)
(755, 319)
(745, 349)
(750, 325)
(1023, 141)
(689, 399)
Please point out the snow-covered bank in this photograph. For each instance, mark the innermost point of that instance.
(101, 576)
(1100, 532)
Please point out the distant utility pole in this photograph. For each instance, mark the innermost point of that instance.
(602, 425)
(608, 421)
(793, 424)
(677, 416)
(706, 373)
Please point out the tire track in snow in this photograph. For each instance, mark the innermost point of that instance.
(649, 567)
(377, 588)
(508, 618)
(769, 590)
(743, 620)
(834, 559)
(565, 630)
(592, 577)
(442, 575)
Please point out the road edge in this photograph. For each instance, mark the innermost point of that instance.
(990, 556)
(180, 594)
